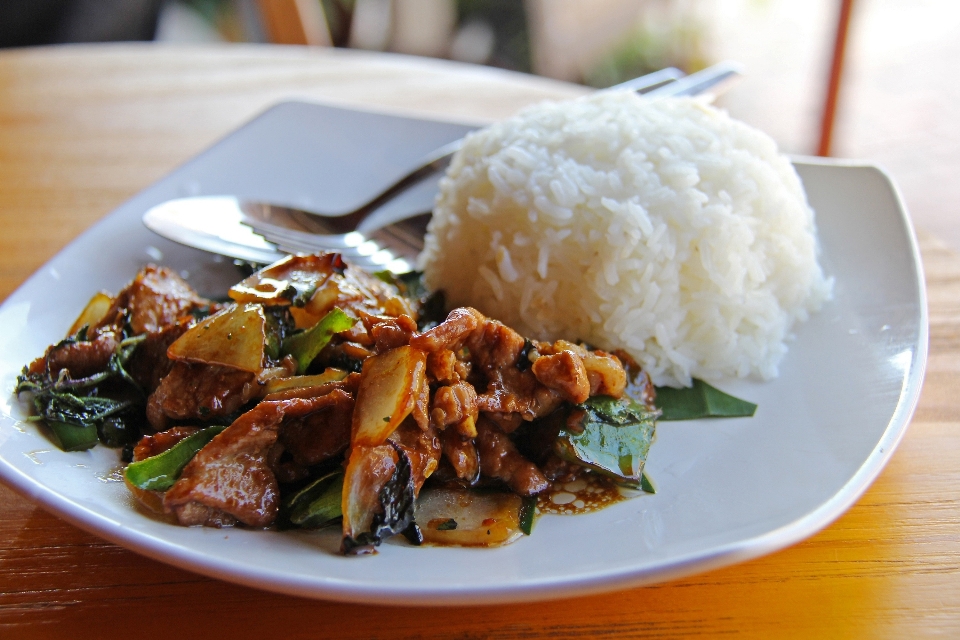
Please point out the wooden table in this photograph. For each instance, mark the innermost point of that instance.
(84, 128)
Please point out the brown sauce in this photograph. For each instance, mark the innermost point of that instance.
(586, 494)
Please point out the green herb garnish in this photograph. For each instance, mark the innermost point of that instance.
(528, 514)
(447, 525)
(314, 506)
(700, 401)
(609, 436)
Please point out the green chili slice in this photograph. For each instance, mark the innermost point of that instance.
(73, 437)
(305, 346)
(159, 472)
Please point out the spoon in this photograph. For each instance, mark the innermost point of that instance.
(264, 232)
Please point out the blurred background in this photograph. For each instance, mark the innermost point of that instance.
(895, 106)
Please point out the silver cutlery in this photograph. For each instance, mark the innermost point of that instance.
(264, 232)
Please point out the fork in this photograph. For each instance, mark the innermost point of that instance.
(200, 221)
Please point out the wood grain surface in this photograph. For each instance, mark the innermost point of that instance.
(84, 128)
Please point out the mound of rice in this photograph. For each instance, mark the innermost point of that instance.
(664, 228)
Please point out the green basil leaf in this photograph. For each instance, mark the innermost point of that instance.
(314, 506)
(609, 436)
(700, 401)
(646, 484)
(447, 525)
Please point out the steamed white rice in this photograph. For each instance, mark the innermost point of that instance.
(664, 228)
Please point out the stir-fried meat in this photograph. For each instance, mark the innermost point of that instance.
(421, 405)
(358, 334)
(451, 333)
(606, 373)
(321, 434)
(156, 444)
(156, 298)
(149, 363)
(230, 478)
(390, 332)
(495, 346)
(81, 358)
(479, 391)
(156, 301)
(500, 459)
(461, 453)
(564, 372)
(455, 404)
(348, 356)
(513, 391)
(496, 351)
(199, 391)
(442, 366)
(508, 422)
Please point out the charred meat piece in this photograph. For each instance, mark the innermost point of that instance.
(513, 391)
(564, 372)
(149, 364)
(495, 346)
(321, 434)
(500, 459)
(462, 455)
(81, 358)
(156, 444)
(451, 333)
(455, 405)
(230, 478)
(155, 299)
(390, 332)
(199, 392)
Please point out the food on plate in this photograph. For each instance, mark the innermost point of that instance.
(587, 250)
(321, 394)
(664, 228)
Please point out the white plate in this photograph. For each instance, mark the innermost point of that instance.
(728, 490)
